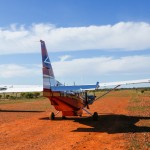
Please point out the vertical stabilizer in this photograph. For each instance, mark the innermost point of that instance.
(48, 74)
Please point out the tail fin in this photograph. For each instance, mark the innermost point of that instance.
(48, 74)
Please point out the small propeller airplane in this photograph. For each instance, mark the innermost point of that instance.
(72, 100)
(3, 88)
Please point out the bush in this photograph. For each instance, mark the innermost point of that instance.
(0, 96)
(22, 95)
(36, 94)
(12, 97)
(29, 95)
(7, 96)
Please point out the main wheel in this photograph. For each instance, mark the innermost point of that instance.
(63, 117)
(52, 116)
(95, 116)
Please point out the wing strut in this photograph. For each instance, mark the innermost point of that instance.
(107, 92)
(87, 111)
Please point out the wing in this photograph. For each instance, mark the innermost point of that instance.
(117, 84)
(124, 82)
(22, 88)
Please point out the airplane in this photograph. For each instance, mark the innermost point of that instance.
(72, 100)
(20, 88)
(3, 88)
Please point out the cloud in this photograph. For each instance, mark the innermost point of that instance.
(120, 36)
(64, 57)
(83, 70)
(14, 70)
(103, 65)
(93, 69)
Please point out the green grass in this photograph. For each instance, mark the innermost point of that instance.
(138, 105)
(118, 93)
(135, 99)
(20, 100)
(147, 144)
(134, 145)
(138, 108)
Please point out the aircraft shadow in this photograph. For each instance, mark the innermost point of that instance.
(33, 111)
(109, 123)
(113, 123)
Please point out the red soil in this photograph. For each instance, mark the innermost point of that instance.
(22, 127)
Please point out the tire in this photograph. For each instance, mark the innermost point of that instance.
(52, 116)
(63, 117)
(95, 116)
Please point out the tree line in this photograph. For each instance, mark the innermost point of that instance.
(28, 95)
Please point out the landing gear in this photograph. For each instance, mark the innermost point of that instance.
(95, 116)
(63, 117)
(52, 116)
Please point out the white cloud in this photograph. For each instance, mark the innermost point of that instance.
(92, 69)
(14, 70)
(84, 70)
(64, 57)
(120, 36)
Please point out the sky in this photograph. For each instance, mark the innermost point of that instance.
(87, 41)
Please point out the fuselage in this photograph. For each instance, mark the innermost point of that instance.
(70, 104)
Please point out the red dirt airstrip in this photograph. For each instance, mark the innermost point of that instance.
(25, 126)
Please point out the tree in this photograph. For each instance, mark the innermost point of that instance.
(29, 95)
(12, 97)
(7, 96)
(36, 94)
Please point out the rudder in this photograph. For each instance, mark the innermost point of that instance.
(48, 74)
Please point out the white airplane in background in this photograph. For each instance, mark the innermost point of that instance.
(20, 88)
(3, 88)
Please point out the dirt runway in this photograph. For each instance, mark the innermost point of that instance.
(25, 126)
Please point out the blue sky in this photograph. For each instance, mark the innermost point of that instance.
(73, 12)
(88, 40)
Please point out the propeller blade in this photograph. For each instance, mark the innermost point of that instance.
(86, 100)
